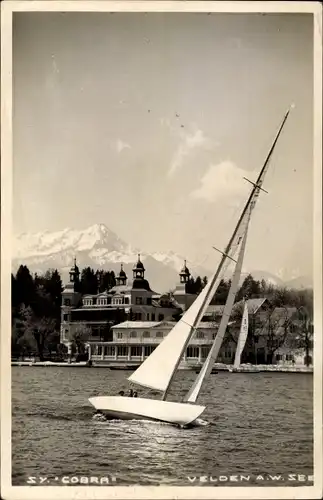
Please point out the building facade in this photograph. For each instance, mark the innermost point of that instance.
(127, 323)
(126, 301)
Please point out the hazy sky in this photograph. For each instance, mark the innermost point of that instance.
(97, 138)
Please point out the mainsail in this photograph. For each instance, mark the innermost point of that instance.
(158, 370)
(242, 336)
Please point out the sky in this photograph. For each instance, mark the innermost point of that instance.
(149, 122)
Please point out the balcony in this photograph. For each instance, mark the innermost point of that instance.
(157, 340)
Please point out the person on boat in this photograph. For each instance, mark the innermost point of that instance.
(121, 393)
(130, 393)
(135, 394)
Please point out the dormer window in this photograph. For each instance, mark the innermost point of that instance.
(67, 302)
(133, 335)
(139, 300)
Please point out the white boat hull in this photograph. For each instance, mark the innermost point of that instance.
(125, 408)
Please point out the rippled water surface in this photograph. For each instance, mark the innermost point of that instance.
(259, 423)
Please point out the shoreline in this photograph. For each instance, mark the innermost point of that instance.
(222, 368)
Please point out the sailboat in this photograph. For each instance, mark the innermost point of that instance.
(158, 370)
(240, 346)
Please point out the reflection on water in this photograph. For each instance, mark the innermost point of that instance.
(253, 424)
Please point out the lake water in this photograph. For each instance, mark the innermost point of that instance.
(259, 424)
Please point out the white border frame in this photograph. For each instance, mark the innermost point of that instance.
(148, 492)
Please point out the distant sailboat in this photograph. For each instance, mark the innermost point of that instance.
(158, 370)
(243, 334)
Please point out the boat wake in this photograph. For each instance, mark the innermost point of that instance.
(199, 422)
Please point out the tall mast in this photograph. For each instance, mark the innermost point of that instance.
(243, 221)
(158, 370)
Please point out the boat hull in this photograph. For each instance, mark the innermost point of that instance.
(125, 408)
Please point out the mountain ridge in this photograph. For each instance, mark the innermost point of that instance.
(100, 247)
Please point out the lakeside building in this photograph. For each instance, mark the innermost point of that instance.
(126, 301)
(130, 320)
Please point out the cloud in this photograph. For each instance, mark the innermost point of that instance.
(120, 145)
(220, 181)
(189, 142)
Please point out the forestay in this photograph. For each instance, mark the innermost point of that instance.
(242, 336)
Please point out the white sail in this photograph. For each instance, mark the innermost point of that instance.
(242, 336)
(157, 370)
(207, 367)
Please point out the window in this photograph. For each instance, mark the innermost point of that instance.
(160, 317)
(147, 316)
(126, 300)
(148, 350)
(133, 334)
(148, 301)
(122, 350)
(65, 317)
(159, 334)
(136, 351)
(278, 357)
(152, 317)
(213, 335)
(146, 335)
(192, 352)
(199, 335)
(109, 350)
(289, 357)
(67, 302)
(138, 316)
(119, 335)
(205, 352)
(99, 350)
(138, 300)
(117, 301)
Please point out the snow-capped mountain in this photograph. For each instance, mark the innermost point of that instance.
(99, 247)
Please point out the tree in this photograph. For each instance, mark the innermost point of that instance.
(275, 330)
(302, 337)
(78, 337)
(250, 288)
(24, 286)
(89, 283)
(108, 280)
(222, 291)
(41, 328)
